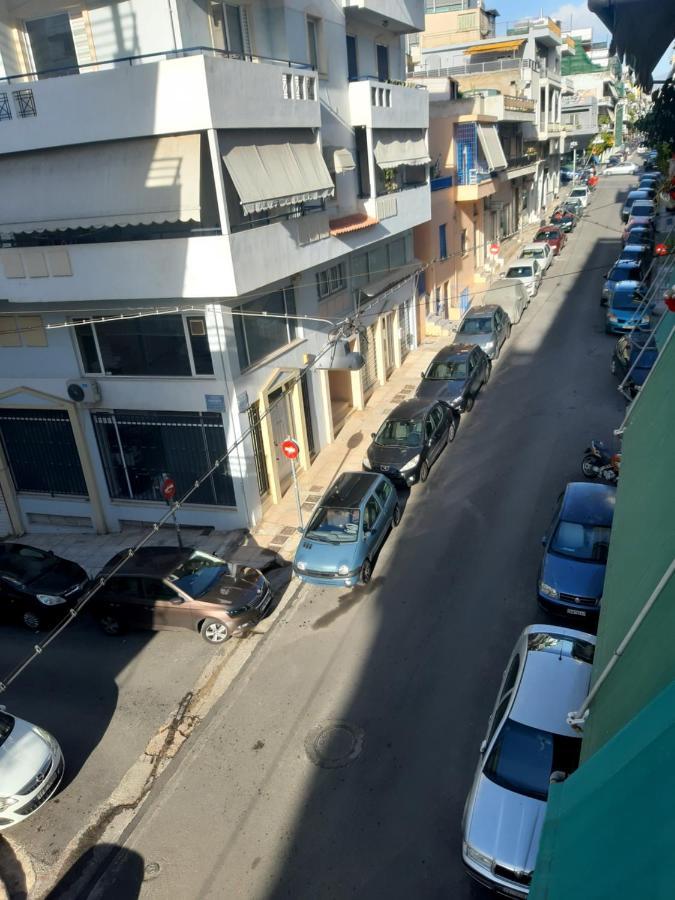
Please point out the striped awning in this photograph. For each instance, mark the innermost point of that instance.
(495, 46)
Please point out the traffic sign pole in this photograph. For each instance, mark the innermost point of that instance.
(291, 450)
(168, 489)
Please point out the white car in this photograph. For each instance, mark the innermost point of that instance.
(625, 168)
(528, 271)
(580, 192)
(642, 149)
(31, 768)
(541, 251)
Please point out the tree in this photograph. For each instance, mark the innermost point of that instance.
(658, 125)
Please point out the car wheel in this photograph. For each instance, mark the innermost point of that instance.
(396, 517)
(110, 625)
(452, 431)
(366, 571)
(31, 620)
(424, 471)
(468, 405)
(214, 632)
(488, 372)
(589, 467)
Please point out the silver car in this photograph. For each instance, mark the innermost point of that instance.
(487, 327)
(528, 746)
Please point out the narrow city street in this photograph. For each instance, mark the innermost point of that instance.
(253, 808)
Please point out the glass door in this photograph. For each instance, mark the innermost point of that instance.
(52, 46)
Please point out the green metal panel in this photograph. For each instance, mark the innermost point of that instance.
(641, 548)
(609, 828)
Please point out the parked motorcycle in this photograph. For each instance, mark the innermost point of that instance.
(598, 462)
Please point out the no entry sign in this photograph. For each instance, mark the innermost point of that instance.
(290, 448)
(168, 488)
(494, 248)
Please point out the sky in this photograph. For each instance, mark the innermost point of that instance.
(572, 15)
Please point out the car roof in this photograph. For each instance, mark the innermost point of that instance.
(481, 312)
(349, 489)
(550, 687)
(588, 503)
(410, 409)
(535, 245)
(638, 191)
(627, 285)
(642, 248)
(550, 227)
(453, 352)
(624, 263)
(155, 562)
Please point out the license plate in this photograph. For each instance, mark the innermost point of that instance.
(577, 612)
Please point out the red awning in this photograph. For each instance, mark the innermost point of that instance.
(355, 222)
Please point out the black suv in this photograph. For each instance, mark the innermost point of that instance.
(455, 375)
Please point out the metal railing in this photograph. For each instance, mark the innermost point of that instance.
(495, 65)
(517, 162)
(141, 59)
(519, 104)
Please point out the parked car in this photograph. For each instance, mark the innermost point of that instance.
(626, 309)
(511, 295)
(455, 376)
(582, 193)
(554, 236)
(527, 271)
(642, 149)
(38, 587)
(633, 196)
(639, 234)
(621, 168)
(650, 165)
(622, 270)
(642, 209)
(347, 529)
(574, 205)
(31, 768)
(631, 355)
(572, 570)
(411, 439)
(528, 745)
(643, 221)
(173, 588)
(638, 253)
(650, 180)
(486, 326)
(539, 251)
(564, 218)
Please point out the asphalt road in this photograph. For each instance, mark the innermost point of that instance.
(411, 663)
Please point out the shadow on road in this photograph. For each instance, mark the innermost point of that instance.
(124, 878)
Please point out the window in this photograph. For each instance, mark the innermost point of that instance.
(331, 280)
(157, 345)
(375, 263)
(52, 45)
(234, 31)
(154, 589)
(352, 59)
(41, 451)
(382, 62)
(511, 675)
(383, 492)
(138, 447)
(258, 336)
(463, 243)
(436, 416)
(397, 253)
(22, 331)
(442, 241)
(313, 43)
(370, 514)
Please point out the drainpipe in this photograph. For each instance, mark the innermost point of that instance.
(578, 718)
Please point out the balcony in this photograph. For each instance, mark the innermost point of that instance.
(474, 184)
(401, 16)
(544, 29)
(521, 165)
(490, 67)
(550, 74)
(188, 91)
(379, 104)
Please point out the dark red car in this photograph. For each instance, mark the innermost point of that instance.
(552, 235)
(644, 221)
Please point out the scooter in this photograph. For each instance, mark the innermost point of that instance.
(598, 462)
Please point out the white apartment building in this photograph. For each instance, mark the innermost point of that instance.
(200, 164)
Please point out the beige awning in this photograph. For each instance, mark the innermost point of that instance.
(492, 147)
(270, 170)
(343, 160)
(131, 182)
(400, 147)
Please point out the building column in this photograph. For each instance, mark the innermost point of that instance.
(371, 164)
(380, 361)
(218, 180)
(97, 514)
(397, 338)
(326, 409)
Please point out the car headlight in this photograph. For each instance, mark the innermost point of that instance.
(489, 346)
(548, 590)
(343, 570)
(410, 464)
(605, 291)
(50, 599)
(302, 565)
(45, 735)
(5, 802)
(612, 318)
(456, 402)
(365, 462)
(477, 856)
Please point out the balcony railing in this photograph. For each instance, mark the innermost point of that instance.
(143, 58)
(472, 176)
(518, 104)
(517, 162)
(495, 65)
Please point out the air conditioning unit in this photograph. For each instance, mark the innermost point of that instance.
(83, 390)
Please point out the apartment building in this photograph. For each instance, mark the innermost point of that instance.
(238, 178)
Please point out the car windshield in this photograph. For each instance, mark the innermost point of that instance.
(447, 371)
(27, 564)
(631, 254)
(625, 300)
(198, 574)
(578, 192)
(334, 525)
(397, 432)
(523, 758)
(520, 271)
(476, 326)
(575, 540)
(548, 235)
(641, 209)
(624, 273)
(533, 253)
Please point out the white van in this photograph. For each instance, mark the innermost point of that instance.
(512, 297)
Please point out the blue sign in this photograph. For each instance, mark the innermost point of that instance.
(215, 402)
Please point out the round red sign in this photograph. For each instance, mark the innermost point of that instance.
(661, 250)
(290, 449)
(494, 248)
(168, 488)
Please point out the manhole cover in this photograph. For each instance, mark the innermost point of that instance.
(334, 744)
(151, 871)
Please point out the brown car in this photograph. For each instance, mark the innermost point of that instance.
(168, 588)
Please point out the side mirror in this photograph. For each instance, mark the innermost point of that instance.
(543, 541)
(483, 746)
(605, 274)
(372, 434)
(421, 374)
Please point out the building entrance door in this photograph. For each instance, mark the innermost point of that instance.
(281, 421)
